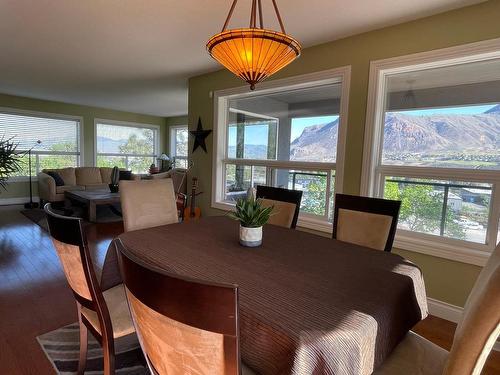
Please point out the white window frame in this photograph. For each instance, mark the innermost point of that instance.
(35, 153)
(339, 75)
(173, 143)
(374, 173)
(156, 128)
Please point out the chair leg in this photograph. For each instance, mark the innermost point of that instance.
(83, 345)
(108, 348)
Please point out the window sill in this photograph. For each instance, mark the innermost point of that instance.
(303, 222)
(457, 251)
(14, 180)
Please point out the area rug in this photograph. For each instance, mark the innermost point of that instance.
(105, 214)
(62, 349)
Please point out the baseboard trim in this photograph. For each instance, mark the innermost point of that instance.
(449, 312)
(19, 200)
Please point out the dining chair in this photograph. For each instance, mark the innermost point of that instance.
(286, 204)
(476, 333)
(184, 325)
(370, 222)
(104, 313)
(148, 203)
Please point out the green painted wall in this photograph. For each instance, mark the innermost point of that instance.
(445, 280)
(173, 121)
(21, 189)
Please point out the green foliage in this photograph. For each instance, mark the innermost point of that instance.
(9, 160)
(139, 146)
(422, 208)
(250, 213)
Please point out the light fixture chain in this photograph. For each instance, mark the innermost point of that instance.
(279, 17)
(229, 15)
(253, 14)
(261, 18)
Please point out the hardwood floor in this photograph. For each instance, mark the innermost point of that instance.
(34, 296)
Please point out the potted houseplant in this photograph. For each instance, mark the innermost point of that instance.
(252, 216)
(10, 160)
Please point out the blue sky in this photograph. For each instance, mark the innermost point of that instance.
(257, 134)
(466, 110)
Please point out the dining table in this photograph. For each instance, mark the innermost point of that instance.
(308, 304)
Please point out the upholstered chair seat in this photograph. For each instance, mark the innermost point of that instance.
(476, 333)
(119, 312)
(283, 212)
(415, 356)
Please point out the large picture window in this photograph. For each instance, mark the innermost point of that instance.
(289, 135)
(179, 146)
(435, 137)
(59, 138)
(126, 145)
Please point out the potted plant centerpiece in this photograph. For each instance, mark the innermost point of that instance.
(252, 216)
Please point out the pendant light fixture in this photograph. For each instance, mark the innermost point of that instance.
(253, 53)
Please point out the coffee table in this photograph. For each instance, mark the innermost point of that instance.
(91, 199)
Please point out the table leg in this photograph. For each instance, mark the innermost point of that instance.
(92, 212)
(68, 211)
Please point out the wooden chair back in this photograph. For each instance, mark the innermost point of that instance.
(184, 325)
(479, 327)
(282, 211)
(148, 203)
(71, 245)
(370, 222)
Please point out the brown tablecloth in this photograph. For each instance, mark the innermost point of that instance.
(308, 304)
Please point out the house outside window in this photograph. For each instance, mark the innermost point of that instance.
(126, 145)
(60, 138)
(179, 146)
(432, 141)
(290, 134)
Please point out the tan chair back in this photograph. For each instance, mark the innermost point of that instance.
(283, 212)
(365, 221)
(479, 327)
(363, 228)
(148, 203)
(184, 326)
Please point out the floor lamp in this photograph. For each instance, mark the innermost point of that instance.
(31, 204)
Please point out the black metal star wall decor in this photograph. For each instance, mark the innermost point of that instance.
(199, 136)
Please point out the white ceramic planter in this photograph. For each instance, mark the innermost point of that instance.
(250, 237)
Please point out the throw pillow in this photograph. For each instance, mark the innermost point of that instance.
(125, 175)
(59, 181)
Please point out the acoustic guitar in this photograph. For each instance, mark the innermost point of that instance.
(192, 212)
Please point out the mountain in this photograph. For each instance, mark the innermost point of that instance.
(109, 145)
(441, 133)
(316, 143)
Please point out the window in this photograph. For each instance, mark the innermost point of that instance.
(59, 136)
(435, 137)
(179, 146)
(126, 145)
(287, 134)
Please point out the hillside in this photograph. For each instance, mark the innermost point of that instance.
(316, 143)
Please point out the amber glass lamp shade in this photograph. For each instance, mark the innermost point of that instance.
(253, 54)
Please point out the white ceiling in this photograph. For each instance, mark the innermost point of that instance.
(136, 55)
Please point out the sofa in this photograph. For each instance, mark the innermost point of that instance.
(178, 176)
(79, 178)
